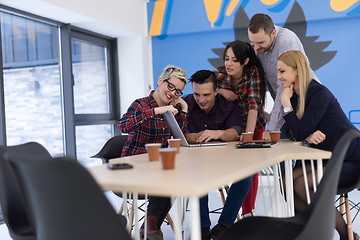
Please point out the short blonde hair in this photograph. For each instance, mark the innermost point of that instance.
(298, 61)
(173, 71)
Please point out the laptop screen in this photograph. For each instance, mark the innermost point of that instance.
(175, 128)
(177, 133)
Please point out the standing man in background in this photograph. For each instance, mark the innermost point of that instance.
(269, 42)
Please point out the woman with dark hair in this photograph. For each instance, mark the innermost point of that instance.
(242, 79)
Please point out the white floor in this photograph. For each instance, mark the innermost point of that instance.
(215, 202)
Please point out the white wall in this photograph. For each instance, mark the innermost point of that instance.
(125, 20)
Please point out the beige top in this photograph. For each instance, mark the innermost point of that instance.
(198, 170)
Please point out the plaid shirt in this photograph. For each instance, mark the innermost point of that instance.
(144, 126)
(248, 91)
(223, 116)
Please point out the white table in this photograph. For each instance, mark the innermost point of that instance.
(199, 170)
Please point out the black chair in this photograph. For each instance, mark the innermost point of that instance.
(345, 201)
(1, 216)
(15, 215)
(66, 202)
(317, 221)
(112, 149)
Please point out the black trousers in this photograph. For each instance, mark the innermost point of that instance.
(159, 206)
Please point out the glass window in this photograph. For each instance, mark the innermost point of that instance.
(89, 141)
(31, 83)
(90, 72)
(65, 103)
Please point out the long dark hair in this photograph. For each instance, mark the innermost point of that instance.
(242, 51)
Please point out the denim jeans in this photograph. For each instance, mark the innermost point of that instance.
(234, 200)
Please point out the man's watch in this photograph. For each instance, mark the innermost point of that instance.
(288, 109)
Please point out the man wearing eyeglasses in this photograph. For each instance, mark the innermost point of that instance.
(212, 117)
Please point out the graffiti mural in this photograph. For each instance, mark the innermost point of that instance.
(193, 33)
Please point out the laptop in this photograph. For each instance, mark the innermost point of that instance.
(256, 144)
(177, 133)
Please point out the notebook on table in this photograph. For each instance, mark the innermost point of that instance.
(256, 144)
(177, 133)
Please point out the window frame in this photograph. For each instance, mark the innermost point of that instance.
(69, 118)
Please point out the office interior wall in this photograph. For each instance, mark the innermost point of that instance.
(192, 35)
(122, 19)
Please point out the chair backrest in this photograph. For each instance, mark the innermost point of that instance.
(112, 148)
(66, 202)
(321, 211)
(11, 198)
(347, 189)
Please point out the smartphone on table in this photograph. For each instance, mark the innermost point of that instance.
(114, 166)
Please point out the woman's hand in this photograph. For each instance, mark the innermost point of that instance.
(228, 94)
(163, 109)
(182, 103)
(286, 94)
(266, 135)
(316, 137)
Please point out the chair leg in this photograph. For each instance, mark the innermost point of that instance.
(131, 218)
(184, 212)
(227, 188)
(342, 204)
(222, 195)
(121, 209)
(170, 221)
(348, 218)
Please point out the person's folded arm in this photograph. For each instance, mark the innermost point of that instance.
(229, 135)
(135, 116)
(314, 112)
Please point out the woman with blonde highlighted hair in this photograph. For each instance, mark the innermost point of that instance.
(145, 123)
(313, 114)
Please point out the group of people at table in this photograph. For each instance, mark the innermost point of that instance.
(230, 100)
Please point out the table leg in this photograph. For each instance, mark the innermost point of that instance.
(136, 217)
(195, 218)
(185, 202)
(177, 218)
(125, 211)
(289, 188)
(145, 217)
(313, 175)
(319, 169)
(305, 181)
(277, 191)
